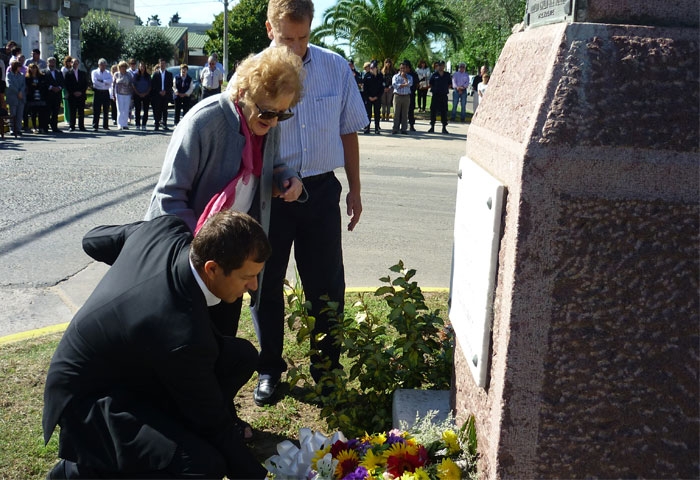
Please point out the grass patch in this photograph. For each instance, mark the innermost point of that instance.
(23, 368)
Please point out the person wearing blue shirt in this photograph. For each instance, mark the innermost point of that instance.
(320, 137)
(460, 83)
(401, 83)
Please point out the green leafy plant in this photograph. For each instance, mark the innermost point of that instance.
(408, 347)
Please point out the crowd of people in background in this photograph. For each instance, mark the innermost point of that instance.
(405, 89)
(34, 92)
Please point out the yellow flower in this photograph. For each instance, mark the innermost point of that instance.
(319, 455)
(401, 449)
(450, 439)
(378, 439)
(348, 461)
(420, 474)
(448, 470)
(372, 461)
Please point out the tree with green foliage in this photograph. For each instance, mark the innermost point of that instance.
(246, 31)
(487, 24)
(100, 37)
(60, 39)
(148, 45)
(387, 28)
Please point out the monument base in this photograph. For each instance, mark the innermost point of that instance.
(594, 351)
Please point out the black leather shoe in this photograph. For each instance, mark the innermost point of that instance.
(432, 130)
(58, 471)
(444, 130)
(413, 129)
(264, 393)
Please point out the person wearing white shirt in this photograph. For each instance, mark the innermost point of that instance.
(212, 78)
(101, 82)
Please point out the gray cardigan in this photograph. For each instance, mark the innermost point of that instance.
(204, 154)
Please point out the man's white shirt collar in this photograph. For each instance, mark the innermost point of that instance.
(208, 296)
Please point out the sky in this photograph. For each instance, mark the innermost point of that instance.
(203, 11)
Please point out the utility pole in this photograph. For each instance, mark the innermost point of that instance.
(225, 39)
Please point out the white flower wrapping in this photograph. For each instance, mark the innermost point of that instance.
(294, 462)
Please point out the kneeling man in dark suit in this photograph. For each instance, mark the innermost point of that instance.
(142, 383)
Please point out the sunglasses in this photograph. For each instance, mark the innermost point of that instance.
(270, 114)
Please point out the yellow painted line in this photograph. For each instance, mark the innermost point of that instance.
(18, 337)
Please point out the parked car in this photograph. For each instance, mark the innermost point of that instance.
(193, 71)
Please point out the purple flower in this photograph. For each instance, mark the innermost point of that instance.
(393, 437)
(360, 473)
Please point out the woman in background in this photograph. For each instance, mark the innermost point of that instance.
(16, 96)
(388, 72)
(423, 75)
(37, 91)
(121, 84)
(67, 66)
(142, 95)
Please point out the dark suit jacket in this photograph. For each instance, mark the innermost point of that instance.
(156, 86)
(145, 331)
(72, 85)
(55, 97)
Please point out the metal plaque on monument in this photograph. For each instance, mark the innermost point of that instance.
(545, 12)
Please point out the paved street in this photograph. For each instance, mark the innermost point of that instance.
(55, 188)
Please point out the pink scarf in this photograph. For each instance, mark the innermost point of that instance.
(251, 164)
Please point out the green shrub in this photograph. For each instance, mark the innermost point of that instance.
(408, 347)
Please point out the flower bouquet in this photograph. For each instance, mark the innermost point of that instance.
(397, 454)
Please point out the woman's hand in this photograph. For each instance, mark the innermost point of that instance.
(293, 188)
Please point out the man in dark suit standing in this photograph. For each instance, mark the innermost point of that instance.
(54, 78)
(76, 83)
(161, 93)
(142, 383)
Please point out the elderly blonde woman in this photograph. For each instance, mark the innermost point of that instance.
(225, 151)
(121, 86)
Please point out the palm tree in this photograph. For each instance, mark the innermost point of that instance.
(386, 28)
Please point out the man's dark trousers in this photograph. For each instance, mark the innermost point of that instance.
(159, 104)
(100, 103)
(314, 228)
(438, 105)
(208, 92)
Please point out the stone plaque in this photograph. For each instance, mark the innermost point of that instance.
(544, 12)
(474, 260)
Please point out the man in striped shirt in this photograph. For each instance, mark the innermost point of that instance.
(320, 137)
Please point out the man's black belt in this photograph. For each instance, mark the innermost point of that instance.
(317, 178)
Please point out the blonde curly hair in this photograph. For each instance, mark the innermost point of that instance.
(273, 72)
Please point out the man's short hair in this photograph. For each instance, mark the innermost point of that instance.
(50, 59)
(184, 67)
(36, 50)
(229, 238)
(295, 10)
(102, 61)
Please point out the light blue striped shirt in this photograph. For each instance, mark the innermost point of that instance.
(331, 106)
